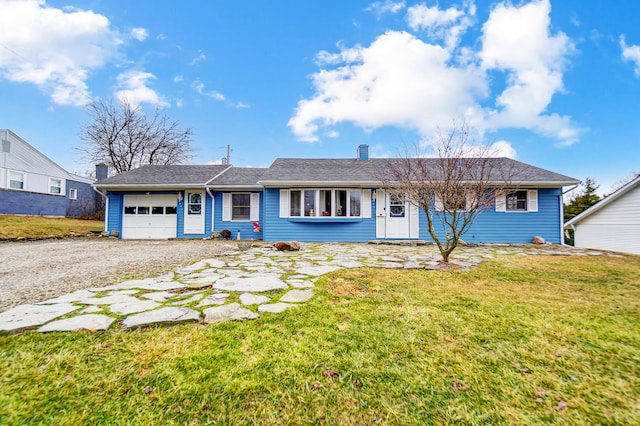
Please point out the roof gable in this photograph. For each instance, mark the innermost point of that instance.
(635, 183)
(25, 158)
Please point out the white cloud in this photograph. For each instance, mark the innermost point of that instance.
(404, 81)
(517, 41)
(201, 57)
(178, 79)
(398, 80)
(447, 25)
(55, 49)
(133, 88)
(198, 86)
(631, 54)
(139, 34)
(387, 6)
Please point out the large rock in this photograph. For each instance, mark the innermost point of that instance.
(230, 312)
(287, 246)
(538, 240)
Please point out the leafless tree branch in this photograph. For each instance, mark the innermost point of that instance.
(124, 137)
(453, 188)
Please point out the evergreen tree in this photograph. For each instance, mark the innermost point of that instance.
(583, 200)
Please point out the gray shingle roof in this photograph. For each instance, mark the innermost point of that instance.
(239, 177)
(288, 170)
(170, 176)
(319, 170)
(304, 172)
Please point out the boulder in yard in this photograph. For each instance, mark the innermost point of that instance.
(538, 240)
(287, 246)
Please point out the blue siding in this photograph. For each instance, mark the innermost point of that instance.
(114, 214)
(319, 229)
(32, 203)
(245, 227)
(489, 227)
(511, 227)
(88, 203)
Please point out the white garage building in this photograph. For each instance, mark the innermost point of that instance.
(613, 223)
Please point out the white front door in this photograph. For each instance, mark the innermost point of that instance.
(194, 212)
(397, 216)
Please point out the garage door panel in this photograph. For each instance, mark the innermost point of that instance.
(149, 217)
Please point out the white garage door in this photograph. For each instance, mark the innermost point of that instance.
(149, 217)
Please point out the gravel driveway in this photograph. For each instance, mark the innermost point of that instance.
(35, 271)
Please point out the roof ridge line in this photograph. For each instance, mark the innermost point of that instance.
(217, 176)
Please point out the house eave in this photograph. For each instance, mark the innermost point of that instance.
(235, 187)
(318, 184)
(602, 203)
(149, 187)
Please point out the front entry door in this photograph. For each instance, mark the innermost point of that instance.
(194, 212)
(397, 216)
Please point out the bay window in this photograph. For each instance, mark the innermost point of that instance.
(325, 203)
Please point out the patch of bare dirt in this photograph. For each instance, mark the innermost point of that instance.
(35, 271)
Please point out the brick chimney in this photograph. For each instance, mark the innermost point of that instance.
(102, 171)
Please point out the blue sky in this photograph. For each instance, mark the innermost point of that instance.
(551, 83)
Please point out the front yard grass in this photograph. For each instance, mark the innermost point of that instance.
(39, 226)
(518, 340)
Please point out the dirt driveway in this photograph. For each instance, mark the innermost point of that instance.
(35, 271)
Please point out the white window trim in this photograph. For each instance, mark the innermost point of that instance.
(439, 205)
(365, 203)
(23, 180)
(254, 207)
(532, 201)
(188, 203)
(61, 192)
(73, 194)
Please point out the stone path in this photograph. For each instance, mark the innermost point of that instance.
(236, 286)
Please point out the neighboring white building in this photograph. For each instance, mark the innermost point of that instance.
(32, 184)
(611, 224)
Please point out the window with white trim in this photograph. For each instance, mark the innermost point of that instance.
(16, 180)
(194, 204)
(55, 186)
(325, 203)
(517, 201)
(525, 200)
(240, 206)
(73, 194)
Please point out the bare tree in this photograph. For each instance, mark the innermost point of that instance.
(123, 137)
(452, 188)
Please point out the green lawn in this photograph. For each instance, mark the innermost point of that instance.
(39, 226)
(519, 340)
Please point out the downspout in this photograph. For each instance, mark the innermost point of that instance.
(206, 185)
(213, 206)
(106, 206)
(208, 189)
(561, 196)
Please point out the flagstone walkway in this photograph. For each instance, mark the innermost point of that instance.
(236, 286)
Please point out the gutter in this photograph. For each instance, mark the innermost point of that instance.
(561, 197)
(213, 207)
(106, 206)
